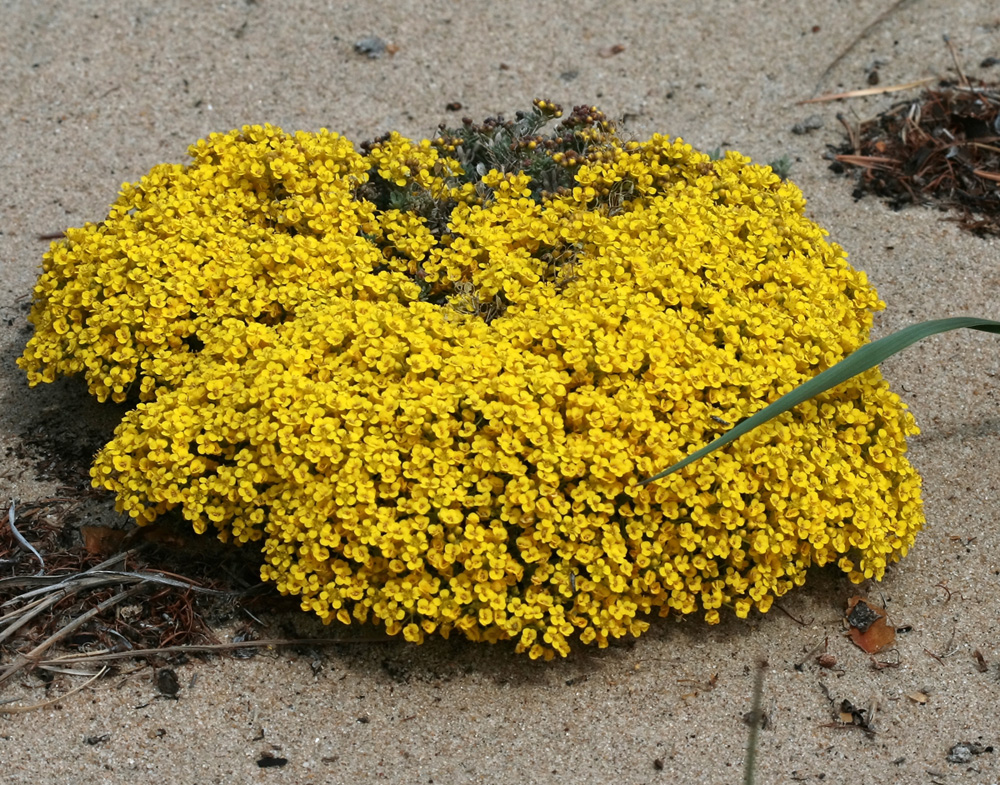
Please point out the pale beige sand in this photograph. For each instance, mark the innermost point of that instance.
(95, 94)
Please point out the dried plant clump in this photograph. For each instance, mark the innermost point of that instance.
(84, 599)
(941, 149)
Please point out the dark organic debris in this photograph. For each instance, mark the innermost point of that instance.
(244, 633)
(849, 715)
(106, 593)
(166, 682)
(942, 148)
(861, 615)
(269, 761)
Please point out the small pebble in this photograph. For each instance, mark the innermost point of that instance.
(959, 754)
(964, 751)
(812, 123)
(373, 46)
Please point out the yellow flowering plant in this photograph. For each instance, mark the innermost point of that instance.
(428, 378)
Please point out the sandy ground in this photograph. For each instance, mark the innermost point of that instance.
(95, 94)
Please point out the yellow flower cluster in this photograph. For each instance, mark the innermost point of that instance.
(436, 418)
(257, 224)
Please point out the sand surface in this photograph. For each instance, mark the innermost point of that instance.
(95, 94)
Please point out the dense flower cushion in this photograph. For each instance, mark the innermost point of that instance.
(429, 388)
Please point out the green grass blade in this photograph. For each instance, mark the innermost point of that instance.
(859, 361)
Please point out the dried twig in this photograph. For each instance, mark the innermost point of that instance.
(867, 91)
(954, 58)
(858, 38)
(209, 648)
(868, 161)
(994, 176)
(7, 709)
(93, 578)
(30, 659)
(852, 132)
(821, 646)
(47, 580)
(798, 621)
(28, 613)
(20, 540)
